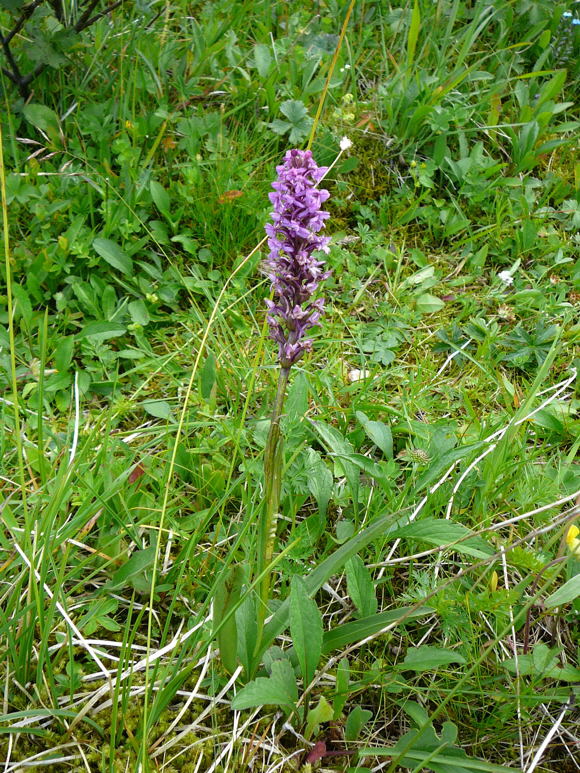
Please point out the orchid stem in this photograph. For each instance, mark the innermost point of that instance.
(272, 484)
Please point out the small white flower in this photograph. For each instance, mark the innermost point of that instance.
(506, 277)
(345, 143)
(357, 375)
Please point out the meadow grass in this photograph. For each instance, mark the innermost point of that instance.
(425, 598)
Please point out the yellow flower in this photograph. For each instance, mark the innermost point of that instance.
(572, 540)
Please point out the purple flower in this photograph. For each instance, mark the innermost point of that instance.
(292, 267)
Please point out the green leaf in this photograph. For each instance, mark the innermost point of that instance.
(349, 633)
(442, 533)
(12, 5)
(225, 600)
(114, 255)
(322, 712)
(158, 408)
(360, 587)
(336, 444)
(133, 569)
(428, 304)
(305, 628)
(379, 433)
(413, 33)
(357, 719)
(262, 59)
(63, 353)
(207, 376)
(101, 331)
(247, 633)
(298, 123)
(279, 689)
(320, 482)
(22, 306)
(426, 658)
(564, 595)
(382, 528)
(43, 118)
(139, 313)
(160, 198)
(341, 693)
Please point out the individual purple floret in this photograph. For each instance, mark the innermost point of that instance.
(291, 266)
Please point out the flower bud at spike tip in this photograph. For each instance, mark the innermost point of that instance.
(292, 267)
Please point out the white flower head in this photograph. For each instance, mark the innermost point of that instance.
(506, 277)
(345, 143)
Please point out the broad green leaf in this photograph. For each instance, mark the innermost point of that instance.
(382, 528)
(413, 33)
(262, 59)
(43, 118)
(247, 633)
(442, 533)
(160, 198)
(428, 304)
(207, 376)
(426, 658)
(132, 569)
(23, 307)
(101, 331)
(355, 722)
(139, 313)
(114, 255)
(564, 595)
(341, 693)
(442, 462)
(360, 587)
(322, 712)
(12, 5)
(379, 433)
(320, 482)
(336, 444)
(357, 630)
(158, 408)
(63, 353)
(279, 689)
(226, 598)
(305, 629)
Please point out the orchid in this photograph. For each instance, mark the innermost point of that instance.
(293, 267)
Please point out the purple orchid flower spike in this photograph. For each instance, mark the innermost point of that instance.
(292, 267)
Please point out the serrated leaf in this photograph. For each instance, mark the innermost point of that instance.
(360, 587)
(279, 689)
(426, 658)
(305, 628)
(114, 255)
(294, 110)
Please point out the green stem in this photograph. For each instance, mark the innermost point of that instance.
(272, 484)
